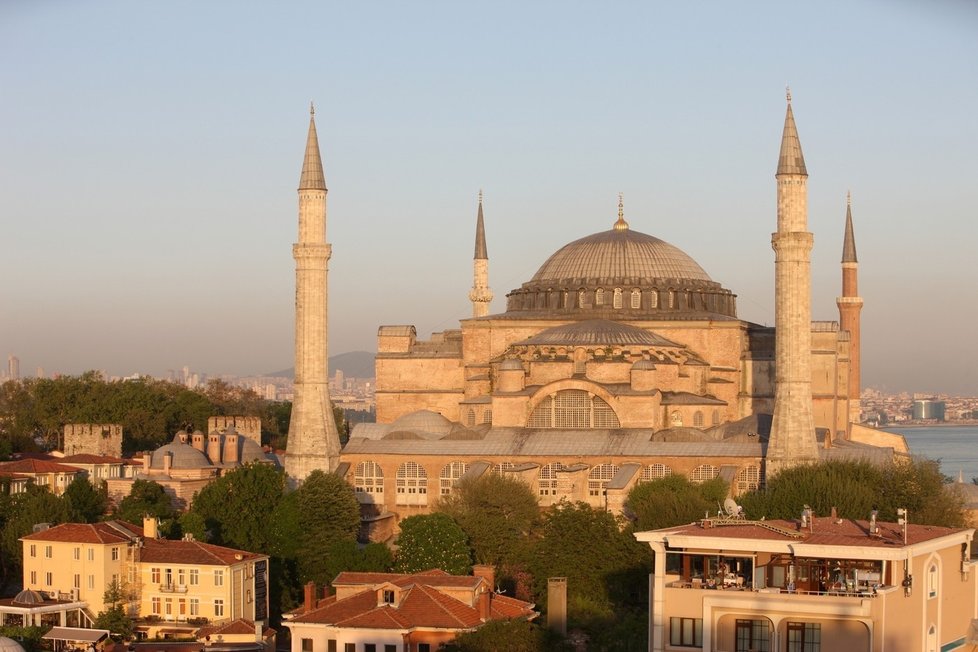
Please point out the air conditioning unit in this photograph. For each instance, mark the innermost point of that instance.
(76, 594)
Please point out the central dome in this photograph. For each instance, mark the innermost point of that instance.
(619, 253)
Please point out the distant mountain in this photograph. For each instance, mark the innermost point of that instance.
(355, 364)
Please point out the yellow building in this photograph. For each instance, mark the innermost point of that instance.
(166, 584)
(809, 585)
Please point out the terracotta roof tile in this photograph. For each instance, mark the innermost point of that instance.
(37, 466)
(165, 551)
(88, 458)
(240, 626)
(102, 533)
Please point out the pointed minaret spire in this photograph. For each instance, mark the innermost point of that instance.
(480, 295)
(621, 224)
(850, 304)
(791, 160)
(312, 177)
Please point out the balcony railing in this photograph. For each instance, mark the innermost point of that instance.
(173, 588)
(832, 590)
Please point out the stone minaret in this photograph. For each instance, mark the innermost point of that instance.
(314, 442)
(480, 295)
(850, 304)
(792, 440)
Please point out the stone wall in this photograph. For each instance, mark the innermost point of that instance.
(93, 439)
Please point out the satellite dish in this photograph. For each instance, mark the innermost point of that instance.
(731, 507)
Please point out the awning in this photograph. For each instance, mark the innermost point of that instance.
(79, 634)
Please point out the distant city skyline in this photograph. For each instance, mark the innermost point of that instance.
(149, 163)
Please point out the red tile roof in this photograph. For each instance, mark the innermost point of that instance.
(233, 628)
(37, 466)
(88, 458)
(165, 551)
(421, 603)
(88, 533)
(826, 531)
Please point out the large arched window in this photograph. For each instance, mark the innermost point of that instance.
(547, 479)
(573, 408)
(748, 479)
(450, 474)
(412, 484)
(716, 417)
(487, 415)
(655, 472)
(368, 478)
(703, 472)
(653, 299)
(636, 299)
(599, 297)
(470, 418)
(698, 419)
(599, 477)
(617, 300)
(933, 579)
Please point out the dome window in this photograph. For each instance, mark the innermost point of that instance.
(617, 299)
(653, 299)
(599, 297)
(636, 299)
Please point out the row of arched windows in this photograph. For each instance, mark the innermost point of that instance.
(411, 479)
(573, 408)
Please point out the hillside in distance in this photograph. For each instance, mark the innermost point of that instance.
(354, 364)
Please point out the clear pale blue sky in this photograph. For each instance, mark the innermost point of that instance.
(149, 155)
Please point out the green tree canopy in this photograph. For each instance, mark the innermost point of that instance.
(673, 500)
(496, 512)
(505, 636)
(432, 541)
(326, 511)
(86, 503)
(27, 509)
(146, 498)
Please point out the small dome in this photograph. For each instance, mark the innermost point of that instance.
(250, 451)
(511, 364)
(10, 645)
(184, 457)
(28, 596)
(424, 421)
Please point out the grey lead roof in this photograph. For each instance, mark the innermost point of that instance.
(312, 165)
(849, 242)
(597, 332)
(791, 160)
(481, 252)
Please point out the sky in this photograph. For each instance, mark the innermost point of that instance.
(150, 153)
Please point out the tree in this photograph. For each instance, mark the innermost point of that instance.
(146, 498)
(326, 511)
(673, 500)
(505, 636)
(27, 509)
(432, 541)
(497, 514)
(114, 618)
(86, 503)
(347, 555)
(235, 508)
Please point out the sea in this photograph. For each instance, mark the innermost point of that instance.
(955, 447)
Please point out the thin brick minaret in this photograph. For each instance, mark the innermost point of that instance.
(850, 304)
(792, 440)
(480, 295)
(314, 442)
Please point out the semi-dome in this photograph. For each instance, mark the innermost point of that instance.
(184, 457)
(10, 645)
(423, 421)
(619, 254)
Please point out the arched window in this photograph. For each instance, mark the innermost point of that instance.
(487, 415)
(470, 418)
(703, 472)
(547, 479)
(580, 297)
(450, 473)
(368, 478)
(716, 417)
(932, 581)
(672, 298)
(573, 408)
(616, 301)
(655, 472)
(599, 297)
(748, 479)
(653, 299)
(599, 477)
(676, 418)
(698, 419)
(412, 484)
(636, 299)
(502, 468)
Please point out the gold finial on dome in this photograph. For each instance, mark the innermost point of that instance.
(787, 93)
(621, 224)
(312, 109)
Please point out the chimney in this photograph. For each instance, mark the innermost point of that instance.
(486, 572)
(151, 528)
(259, 630)
(485, 609)
(147, 459)
(197, 441)
(557, 604)
(310, 597)
(835, 513)
(231, 447)
(214, 448)
(167, 462)
(182, 436)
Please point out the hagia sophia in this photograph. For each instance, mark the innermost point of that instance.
(619, 361)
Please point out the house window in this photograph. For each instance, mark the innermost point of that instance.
(91, 554)
(411, 482)
(424, 647)
(686, 632)
(168, 576)
(655, 472)
(91, 582)
(156, 608)
(33, 550)
(390, 648)
(804, 637)
(307, 645)
(48, 552)
(932, 581)
(369, 647)
(703, 472)
(752, 636)
(194, 577)
(154, 574)
(77, 554)
(636, 299)
(181, 577)
(450, 475)
(218, 608)
(218, 578)
(368, 478)
(115, 553)
(616, 301)
(388, 596)
(194, 606)
(34, 577)
(599, 477)
(49, 578)
(168, 607)
(352, 647)
(331, 645)
(76, 581)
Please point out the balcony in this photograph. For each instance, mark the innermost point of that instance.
(838, 589)
(173, 588)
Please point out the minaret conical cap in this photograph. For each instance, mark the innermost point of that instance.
(481, 252)
(849, 242)
(312, 165)
(791, 160)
